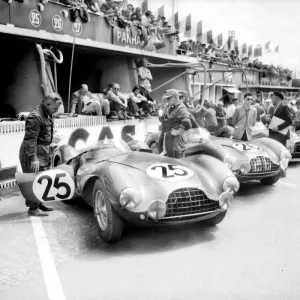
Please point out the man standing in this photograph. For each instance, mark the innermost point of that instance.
(35, 149)
(175, 122)
(281, 111)
(244, 118)
(145, 76)
(84, 96)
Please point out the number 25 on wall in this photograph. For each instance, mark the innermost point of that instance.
(35, 18)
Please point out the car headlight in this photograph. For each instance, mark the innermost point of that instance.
(130, 198)
(285, 155)
(157, 210)
(284, 164)
(224, 200)
(229, 161)
(245, 167)
(231, 184)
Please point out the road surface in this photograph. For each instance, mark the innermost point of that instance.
(253, 254)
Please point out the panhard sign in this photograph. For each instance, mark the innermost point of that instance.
(127, 37)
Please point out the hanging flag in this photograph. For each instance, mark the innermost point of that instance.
(277, 49)
(188, 26)
(209, 37)
(161, 11)
(225, 47)
(204, 38)
(220, 40)
(144, 6)
(250, 51)
(182, 26)
(176, 21)
(257, 52)
(267, 45)
(229, 42)
(199, 31)
(236, 46)
(244, 48)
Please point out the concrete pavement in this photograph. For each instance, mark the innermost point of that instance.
(252, 254)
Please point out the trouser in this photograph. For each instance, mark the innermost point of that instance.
(170, 142)
(118, 107)
(105, 107)
(133, 107)
(212, 129)
(26, 164)
(144, 106)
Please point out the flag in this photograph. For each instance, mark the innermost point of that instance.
(267, 45)
(144, 6)
(204, 39)
(277, 49)
(176, 21)
(182, 26)
(257, 51)
(209, 37)
(220, 40)
(236, 46)
(125, 3)
(250, 51)
(244, 48)
(161, 11)
(225, 47)
(230, 43)
(188, 26)
(199, 31)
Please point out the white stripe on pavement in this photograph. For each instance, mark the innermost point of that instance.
(289, 184)
(51, 278)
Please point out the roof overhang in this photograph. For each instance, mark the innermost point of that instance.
(231, 90)
(259, 86)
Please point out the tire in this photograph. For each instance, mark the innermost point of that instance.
(270, 180)
(216, 219)
(153, 148)
(111, 229)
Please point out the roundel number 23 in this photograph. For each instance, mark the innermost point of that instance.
(53, 185)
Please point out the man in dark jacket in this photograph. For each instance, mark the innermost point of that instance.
(35, 149)
(281, 111)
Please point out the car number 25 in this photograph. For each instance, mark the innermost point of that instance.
(53, 185)
(169, 172)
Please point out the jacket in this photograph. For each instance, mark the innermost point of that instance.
(283, 112)
(243, 120)
(38, 134)
(77, 102)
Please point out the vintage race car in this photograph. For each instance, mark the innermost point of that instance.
(293, 145)
(261, 159)
(135, 186)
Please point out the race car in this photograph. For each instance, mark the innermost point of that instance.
(138, 187)
(293, 145)
(261, 159)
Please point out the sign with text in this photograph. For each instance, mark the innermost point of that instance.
(251, 77)
(127, 37)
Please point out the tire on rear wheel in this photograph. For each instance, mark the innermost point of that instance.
(270, 180)
(109, 224)
(216, 219)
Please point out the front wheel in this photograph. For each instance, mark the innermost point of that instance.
(216, 219)
(109, 224)
(270, 180)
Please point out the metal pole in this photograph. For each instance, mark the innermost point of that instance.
(70, 77)
(55, 77)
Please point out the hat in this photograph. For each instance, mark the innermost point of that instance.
(169, 93)
(268, 100)
(279, 95)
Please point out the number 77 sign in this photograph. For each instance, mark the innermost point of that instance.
(56, 184)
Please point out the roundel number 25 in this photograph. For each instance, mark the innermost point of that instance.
(35, 18)
(53, 185)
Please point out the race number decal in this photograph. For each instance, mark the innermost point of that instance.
(246, 147)
(170, 172)
(57, 23)
(77, 27)
(35, 18)
(53, 185)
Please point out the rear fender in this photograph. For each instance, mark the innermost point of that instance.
(56, 184)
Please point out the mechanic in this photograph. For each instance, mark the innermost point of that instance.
(281, 111)
(243, 119)
(34, 152)
(175, 121)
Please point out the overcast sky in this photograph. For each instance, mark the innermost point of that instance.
(254, 22)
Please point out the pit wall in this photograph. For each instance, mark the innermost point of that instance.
(88, 131)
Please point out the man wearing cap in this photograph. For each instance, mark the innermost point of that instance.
(281, 111)
(175, 122)
(34, 152)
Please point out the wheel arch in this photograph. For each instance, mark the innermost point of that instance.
(88, 188)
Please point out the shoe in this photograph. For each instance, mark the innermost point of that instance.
(120, 116)
(45, 208)
(36, 213)
(127, 117)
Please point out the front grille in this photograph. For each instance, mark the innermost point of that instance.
(261, 166)
(188, 202)
(297, 147)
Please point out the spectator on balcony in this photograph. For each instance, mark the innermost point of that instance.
(182, 49)
(211, 52)
(128, 12)
(118, 103)
(146, 19)
(144, 75)
(137, 15)
(83, 97)
(106, 7)
(140, 101)
(92, 5)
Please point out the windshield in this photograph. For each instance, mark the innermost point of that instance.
(106, 149)
(196, 134)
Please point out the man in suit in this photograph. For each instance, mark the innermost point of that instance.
(244, 118)
(282, 111)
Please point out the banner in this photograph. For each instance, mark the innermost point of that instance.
(127, 37)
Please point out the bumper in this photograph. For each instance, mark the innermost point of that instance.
(258, 176)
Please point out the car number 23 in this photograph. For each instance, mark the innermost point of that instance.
(53, 185)
(169, 172)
